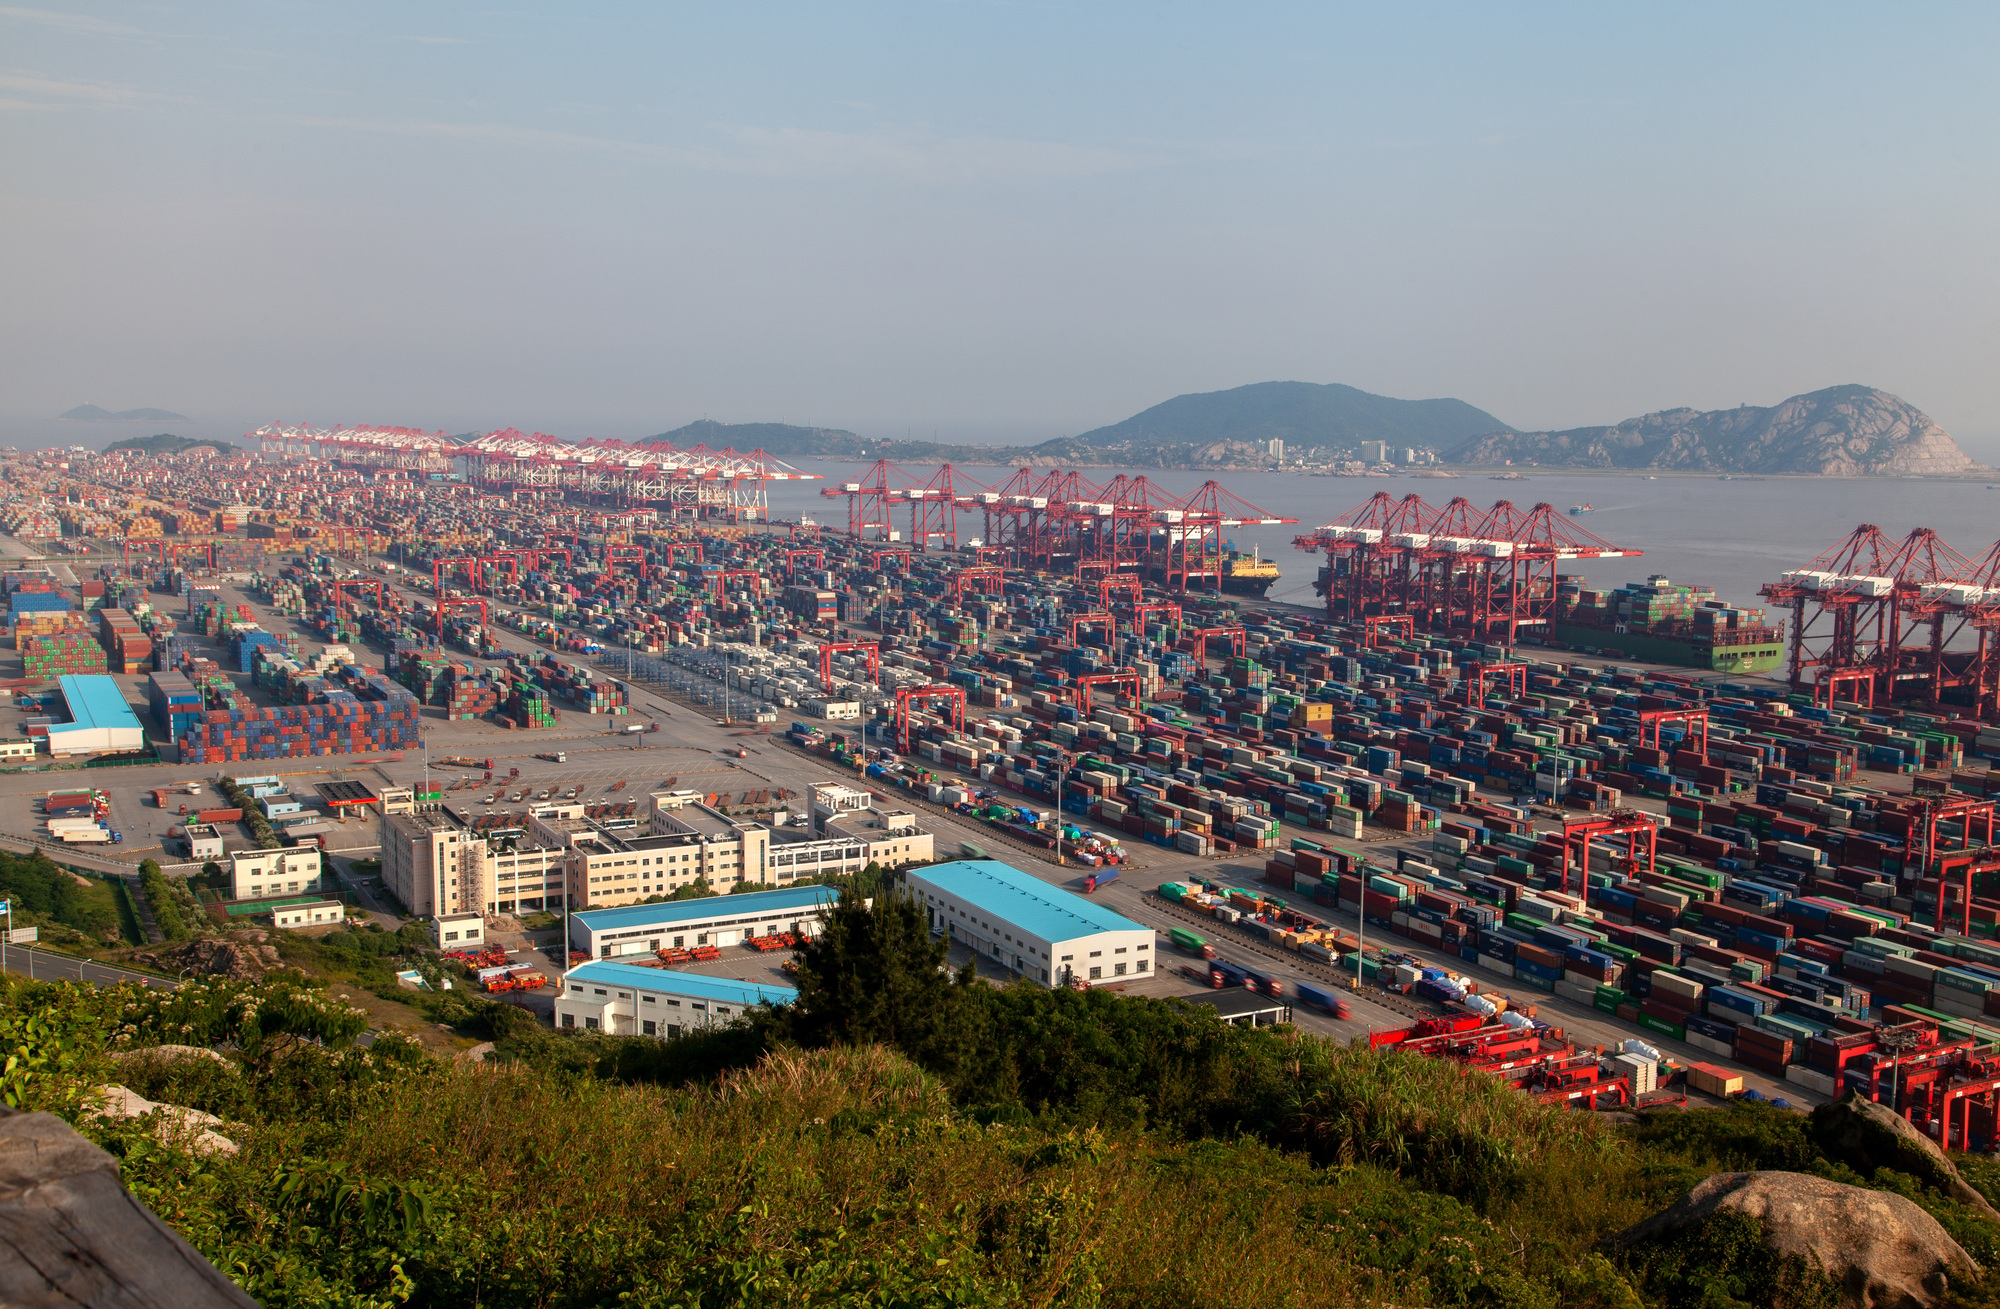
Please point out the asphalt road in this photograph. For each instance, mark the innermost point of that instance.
(43, 966)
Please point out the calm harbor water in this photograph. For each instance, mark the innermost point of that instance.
(1732, 535)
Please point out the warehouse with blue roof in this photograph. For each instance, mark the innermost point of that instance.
(100, 720)
(717, 920)
(1039, 931)
(632, 1000)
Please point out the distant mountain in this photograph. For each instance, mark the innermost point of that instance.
(1842, 431)
(1302, 414)
(788, 442)
(92, 413)
(166, 443)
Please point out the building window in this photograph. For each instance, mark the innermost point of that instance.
(569, 1020)
(1096, 972)
(1119, 970)
(649, 1027)
(1139, 967)
(592, 1022)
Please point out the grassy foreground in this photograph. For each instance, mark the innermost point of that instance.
(902, 1138)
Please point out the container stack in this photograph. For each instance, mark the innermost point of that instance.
(127, 649)
(48, 622)
(469, 697)
(359, 713)
(49, 657)
(528, 706)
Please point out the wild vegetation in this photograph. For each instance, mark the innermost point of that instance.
(902, 1136)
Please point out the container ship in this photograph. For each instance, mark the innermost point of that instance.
(1665, 622)
(1242, 574)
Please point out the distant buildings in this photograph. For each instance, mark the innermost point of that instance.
(1375, 452)
(1277, 448)
(438, 862)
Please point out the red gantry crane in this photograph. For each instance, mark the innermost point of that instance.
(831, 648)
(910, 697)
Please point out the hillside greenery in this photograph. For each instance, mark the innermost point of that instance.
(166, 443)
(902, 1136)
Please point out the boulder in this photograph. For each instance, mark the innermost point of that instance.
(115, 1101)
(1866, 1136)
(1881, 1250)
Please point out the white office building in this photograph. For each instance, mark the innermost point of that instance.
(1039, 931)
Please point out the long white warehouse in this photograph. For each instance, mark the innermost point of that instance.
(718, 920)
(1017, 920)
(629, 1000)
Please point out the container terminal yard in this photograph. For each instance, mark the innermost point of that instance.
(1608, 845)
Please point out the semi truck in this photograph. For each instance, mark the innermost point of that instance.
(89, 836)
(1102, 877)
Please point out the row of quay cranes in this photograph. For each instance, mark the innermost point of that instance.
(1452, 569)
(1876, 619)
(1058, 521)
(700, 483)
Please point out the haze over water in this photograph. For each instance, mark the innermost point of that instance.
(1733, 536)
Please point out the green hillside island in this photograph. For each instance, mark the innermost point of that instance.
(166, 443)
(900, 1136)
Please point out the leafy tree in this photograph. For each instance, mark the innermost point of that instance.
(166, 909)
(876, 974)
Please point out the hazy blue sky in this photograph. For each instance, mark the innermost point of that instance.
(995, 221)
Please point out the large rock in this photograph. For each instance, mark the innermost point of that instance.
(1883, 1251)
(1866, 1136)
(196, 1127)
(243, 957)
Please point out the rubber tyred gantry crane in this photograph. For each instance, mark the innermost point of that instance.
(1693, 721)
(1165, 608)
(357, 585)
(1079, 621)
(909, 697)
(676, 548)
(827, 651)
(1199, 638)
(1476, 674)
(792, 558)
(720, 581)
(443, 568)
(443, 606)
(1115, 679)
(1579, 830)
(1374, 625)
(615, 555)
(984, 580)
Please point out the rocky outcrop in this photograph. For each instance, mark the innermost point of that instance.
(243, 956)
(1866, 1136)
(195, 1128)
(1843, 431)
(1882, 1251)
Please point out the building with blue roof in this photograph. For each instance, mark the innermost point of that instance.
(100, 720)
(631, 1000)
(717, 920)
(1024, 924)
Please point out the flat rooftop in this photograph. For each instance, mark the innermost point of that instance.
(748, 906)
(1024, 900)
(345, 793)
(702, 820)
(700, 986)
(95, 701)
